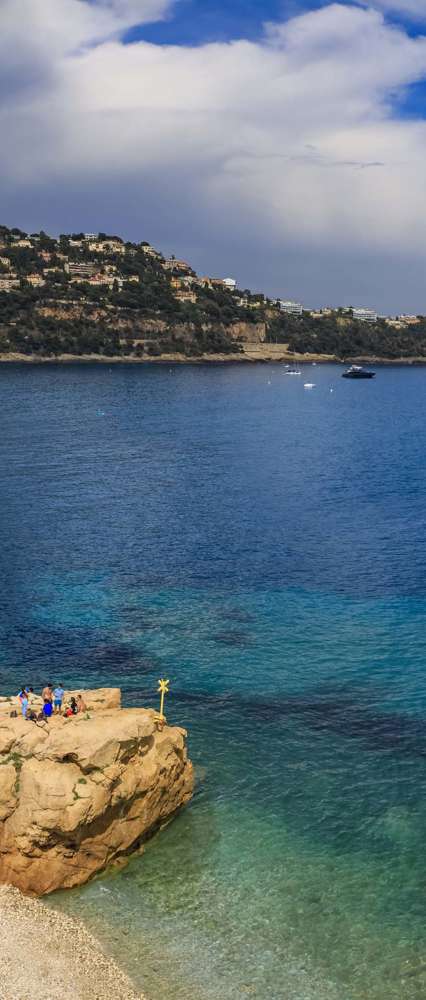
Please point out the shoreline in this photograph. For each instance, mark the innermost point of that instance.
(261, 355)
(48, 954)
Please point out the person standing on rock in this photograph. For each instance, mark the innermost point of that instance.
(58, 697)
(47, 709)
(47, 693)
(23, 700)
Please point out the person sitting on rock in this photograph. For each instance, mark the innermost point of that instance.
(47, 708)
(72, 709)
(81, 704)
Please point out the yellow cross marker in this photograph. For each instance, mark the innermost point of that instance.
(163, 688)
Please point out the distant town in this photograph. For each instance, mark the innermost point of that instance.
(96, 293)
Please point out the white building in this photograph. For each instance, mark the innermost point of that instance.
(80, 269)
(365, 315)
(230, 284)
(293, 308)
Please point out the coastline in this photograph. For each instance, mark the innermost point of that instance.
(252, 354)
(47, 954)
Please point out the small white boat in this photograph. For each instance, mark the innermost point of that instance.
(309, 385)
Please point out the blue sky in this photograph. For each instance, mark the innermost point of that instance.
(192, 22)
(291, 157)
(196, 21)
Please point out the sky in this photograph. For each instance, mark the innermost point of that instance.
(280, 142)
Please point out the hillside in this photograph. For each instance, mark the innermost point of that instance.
(95, 294)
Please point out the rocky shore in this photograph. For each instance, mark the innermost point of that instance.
(250, 354)
(46, 955)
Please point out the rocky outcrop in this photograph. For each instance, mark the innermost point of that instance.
(78, 794)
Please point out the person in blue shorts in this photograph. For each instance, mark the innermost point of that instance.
(58, 697)
(47, 709)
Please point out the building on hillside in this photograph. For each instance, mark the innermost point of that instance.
(171, 264)
(409, 320)
(107, 246)
(8, 282)
(365, 315)
(150, 251)
(242, 302)
(227, 284)
(396, 324)
(23, 244)
(36, 280)
(106, 281)
(186, 296)
(81, 269)
(184, 281)
(292, 308)
(131, 277)
(90, 237)
(5, 261)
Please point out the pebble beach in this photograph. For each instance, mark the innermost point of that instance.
(50, 956)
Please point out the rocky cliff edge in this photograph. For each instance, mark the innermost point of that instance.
(78, 794)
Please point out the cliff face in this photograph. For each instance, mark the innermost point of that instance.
(77, 794)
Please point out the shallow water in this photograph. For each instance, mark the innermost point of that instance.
(263, 547)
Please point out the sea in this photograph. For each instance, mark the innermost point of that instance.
(263, 546)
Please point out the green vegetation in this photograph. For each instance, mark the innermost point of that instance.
(343, 337)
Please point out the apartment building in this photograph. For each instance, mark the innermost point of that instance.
(292, 308)
(81, 269)
(365, 315)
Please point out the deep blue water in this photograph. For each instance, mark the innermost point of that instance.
(263, 546)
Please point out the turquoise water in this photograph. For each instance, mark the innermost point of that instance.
(263, 546)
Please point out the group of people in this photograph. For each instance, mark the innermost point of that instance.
(53, 703)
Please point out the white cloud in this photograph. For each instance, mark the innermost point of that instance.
(288, 145)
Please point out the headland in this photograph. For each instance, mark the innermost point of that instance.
(86, 296)
(81, 793)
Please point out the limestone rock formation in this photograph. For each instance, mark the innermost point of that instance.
(77, 794)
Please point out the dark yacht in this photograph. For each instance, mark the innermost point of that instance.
(355, 371)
